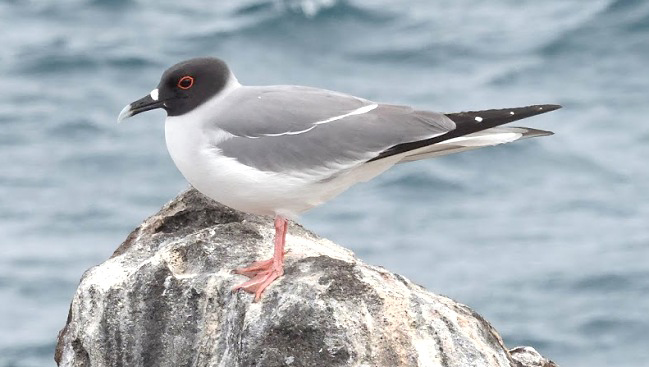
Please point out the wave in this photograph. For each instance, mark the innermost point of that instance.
(56, 61)
(620, 23)
(629, 15)
(313, 10)
(295, 18)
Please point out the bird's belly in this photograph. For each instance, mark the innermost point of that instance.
(241, 187)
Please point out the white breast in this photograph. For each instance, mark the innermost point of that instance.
(226, 180)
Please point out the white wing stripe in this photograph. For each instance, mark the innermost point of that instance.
(358, 111)
(292, 132)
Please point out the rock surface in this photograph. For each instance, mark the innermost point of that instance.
(164, 299)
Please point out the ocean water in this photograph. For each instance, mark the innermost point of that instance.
(547, 238)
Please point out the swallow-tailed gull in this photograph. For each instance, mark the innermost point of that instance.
(281, 150)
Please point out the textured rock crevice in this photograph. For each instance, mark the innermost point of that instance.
(164, 299)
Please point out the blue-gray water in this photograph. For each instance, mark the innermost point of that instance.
(547, 238)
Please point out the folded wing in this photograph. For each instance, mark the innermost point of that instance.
(290, 129)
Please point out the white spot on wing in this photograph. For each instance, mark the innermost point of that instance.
(154, 94)
(511, 113)
(478, 118)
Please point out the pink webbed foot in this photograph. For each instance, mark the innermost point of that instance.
(255, 268)
(263, 273)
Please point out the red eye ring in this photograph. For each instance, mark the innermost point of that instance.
(185, 82)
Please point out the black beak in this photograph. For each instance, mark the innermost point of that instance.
(143, 104)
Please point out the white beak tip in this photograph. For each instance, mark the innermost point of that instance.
(125, 113)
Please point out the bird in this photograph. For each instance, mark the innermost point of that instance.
(281, 150)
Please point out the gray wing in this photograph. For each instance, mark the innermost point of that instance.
(261, 111)
(290, 128)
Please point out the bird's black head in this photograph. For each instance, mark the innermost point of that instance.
(183, 87)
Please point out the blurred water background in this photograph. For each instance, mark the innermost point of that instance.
(547, 238)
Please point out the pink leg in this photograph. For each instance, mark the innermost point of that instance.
(262, 273)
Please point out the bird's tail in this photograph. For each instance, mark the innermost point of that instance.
(481, 139)
(473, 129)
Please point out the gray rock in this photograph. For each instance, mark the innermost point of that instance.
(164, 299)
(529, 357)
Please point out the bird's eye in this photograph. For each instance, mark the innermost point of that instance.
(185, 82)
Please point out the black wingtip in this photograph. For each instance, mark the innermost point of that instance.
(473, 121)
(548, 107)
(480, 120)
